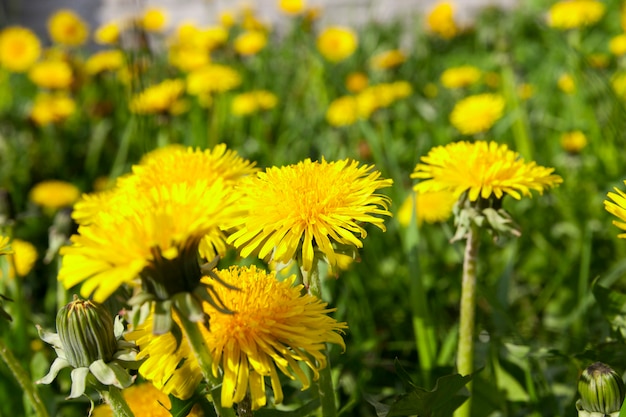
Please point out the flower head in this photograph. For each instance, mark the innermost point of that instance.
(343, 111)
(291, 7)
(356, 82)
(108, 60)
(429, 207)
(108, 33)
(22, 258)
(52, 108)
(440, 20)
(476, 114)
(337, 43)
(566, 83)
(601, 391)
(617, 207)
(5, 245)
(153, 20)
(388, 59)
(250, 42)
(213, 78)
(295, 210)
(573, 142)
(19, 48)
(51, 74)
(273, 328)
(67, 28)
(459, 77)
(253, 101)
(482, 169)
(617, 44)
(164, 97)
(54, 194)
(572, 14)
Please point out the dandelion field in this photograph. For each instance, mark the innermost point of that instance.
(415, 218)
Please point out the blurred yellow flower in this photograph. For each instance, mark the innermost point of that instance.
(441, 21)
(492, 79)
(566, 84)
(430, 90)
(21, 260)
(109, 60)
(19, 48)
(337, 43)
(525, 91)
(617, 44)
(213, 78)
(291, 7)
(388, 59)
(598, 60)
(154, 19)
(572, 14)
(67, 28)
(164, 97)
(5, 245)
(51, 74)
(253, 101)
(459, 77)
(188, 58)
(356, 81)
(107, 34)
(477, 113)
(54, 194)
(342, 111)
(573, 142)
(401, 89)
(618, 82)
(227, 19)
(249, 20)
(617, 207)
(250, 42)
(52, 108)
(429, 207)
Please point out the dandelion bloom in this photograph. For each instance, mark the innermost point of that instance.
(164, 97)
(617, 207)
(253, 101)
(343, 111)
(599, 60)
(476, 114)
(429, 207)
(291, 7)
(102, 61)
(482, 169)
(356, 81)
(618, 83)
(294, 210)
(572, 14)
(440, 20)
(250, 42)
(21, 259)
(573, 142)
(459, 77)
(52, 108)
(67, 28)
(525, 91)
(617, 44)
(566, 84)
(51, 73)
(213, 78)
(337, 43)
(153, 20)
(54, 194)
(19, 48)
(108, 33)
(274, 328)
(5, 245)
(388, 59)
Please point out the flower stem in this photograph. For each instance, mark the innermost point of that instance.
(113, 396)
(205, 361)
(465, 351)
(23, 379)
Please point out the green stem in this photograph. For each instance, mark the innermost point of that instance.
(23, 379)
(113, 396)
(205, 361)
(465, 351)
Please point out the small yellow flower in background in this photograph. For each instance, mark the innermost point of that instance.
(337, 43)
(617, 44)
(108, 33)
(388, 59)
(19, 48)
(342, 111)
(401, 89)
(164, 97)
(274, 328)
(459, 77)
(227, 19)
(54, 194)
(618, 82)
(102, 61)
(440, 20)
(598, 60)
(482, 169)
(51, 74)
(356, 82)
(250, 42)
(492, 79)
(188, 59)
(188, 35)
(429, 207)
(250, 21)
(213, 78)
(573, 142)
(253, 101)
(291, 7)
(52, 108)
(477, 114)
(572, 14)
(144, 400)
(296, 210)
(566, 84)
(67, 28)
(153, 20)
(430, 90)
(525, 91)
(22, 260)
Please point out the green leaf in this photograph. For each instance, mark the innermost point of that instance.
(613, 306)
(306, 409)
(404, 376)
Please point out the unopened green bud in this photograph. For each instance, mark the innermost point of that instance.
(601, 390)
(86, 332)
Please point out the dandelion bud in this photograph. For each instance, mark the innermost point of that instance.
(601, 390)
(86, 332)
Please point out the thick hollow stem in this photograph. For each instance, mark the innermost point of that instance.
(113, 396)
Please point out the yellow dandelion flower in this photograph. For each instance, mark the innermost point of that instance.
(617, 44)
(460, 77)
(291, 7)
(478, 113)
(572, 14)
(108, 33)
(337, 43)
(54, 194)
(297, 209)
(525, 91)
(401, 89)
(250, 21)
(429, 207)
(440, 20)
(153, 20)
(21, 260)
(213, 78)
(51, 74)
(253, 101)
(492, 79)
(356, 82)
(227, 19)
(188, 58)
(5, 245)
(67, 28)
(170, 209)
(617, 207)
(52, 108)
(159, 98)
(598, 60)
(342, 111)
(566, 84)
(430, 90)
(102, 61)
(274, 328)
(482, 169)
(144, 400)
(573, 142)
(618, 82)
(250, 42)
(19, 48)
(387, 59)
